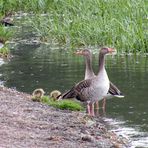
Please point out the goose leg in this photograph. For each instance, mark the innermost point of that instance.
(89, 109)
(97, 107)
(104, 105)
(92, 110)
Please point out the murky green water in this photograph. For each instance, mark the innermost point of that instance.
(38, 66)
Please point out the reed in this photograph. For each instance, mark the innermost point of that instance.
(5, 35)
(75, 23)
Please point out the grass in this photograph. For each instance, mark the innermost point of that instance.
(4, 52)
(63, 104)
(5, 35)
(75, 23)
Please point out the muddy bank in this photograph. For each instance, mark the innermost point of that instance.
(24, 123)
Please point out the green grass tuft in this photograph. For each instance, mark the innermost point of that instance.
(63, 104)
(4, 52)
(5, 35)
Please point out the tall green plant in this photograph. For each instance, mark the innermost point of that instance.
(120, 23)
(117, 23)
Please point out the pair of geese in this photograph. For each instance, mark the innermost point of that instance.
(94, 87)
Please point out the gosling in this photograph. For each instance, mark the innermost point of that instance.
(38, 94)
(54, 94)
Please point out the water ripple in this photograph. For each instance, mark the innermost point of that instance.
(135, 136)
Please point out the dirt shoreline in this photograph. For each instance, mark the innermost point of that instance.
(24, 123)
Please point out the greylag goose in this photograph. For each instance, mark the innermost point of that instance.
(92, 89)
(89, 73)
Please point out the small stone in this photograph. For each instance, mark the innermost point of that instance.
(88, 138)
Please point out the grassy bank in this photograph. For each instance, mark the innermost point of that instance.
(62, 104)
(75, 23)
(121, 24)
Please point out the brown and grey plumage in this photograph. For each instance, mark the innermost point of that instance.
(114, 91)
(89, 73)
(93, 89)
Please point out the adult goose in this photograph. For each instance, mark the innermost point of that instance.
(92, 89)
(89, 73)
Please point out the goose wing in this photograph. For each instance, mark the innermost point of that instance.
(78, 91)
(113, 90)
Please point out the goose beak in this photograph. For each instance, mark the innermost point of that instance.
(112, 50)
(78, 52)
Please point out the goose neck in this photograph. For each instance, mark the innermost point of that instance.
(101, 63)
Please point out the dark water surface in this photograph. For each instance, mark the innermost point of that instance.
(35, 66)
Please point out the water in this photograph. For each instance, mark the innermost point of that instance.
(35, 66)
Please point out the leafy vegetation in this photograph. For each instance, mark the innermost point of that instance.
(5, 35)
(4, 52)
(63, 104)
(75, 23)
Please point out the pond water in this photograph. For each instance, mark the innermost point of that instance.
(35, 66)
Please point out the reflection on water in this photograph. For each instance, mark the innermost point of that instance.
(37, 66)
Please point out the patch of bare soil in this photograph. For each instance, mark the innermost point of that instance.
(24, 123)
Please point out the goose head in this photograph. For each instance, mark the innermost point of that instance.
(107, 50)
(84, 52)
